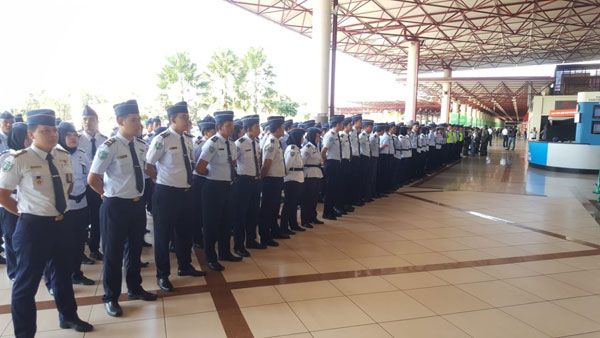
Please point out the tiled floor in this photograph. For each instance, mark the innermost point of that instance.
(486, 248)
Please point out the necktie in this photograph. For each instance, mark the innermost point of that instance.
(340, 143)
(186, 161)
(59, 194)
(230, 160)
(350, 143)
(283, 159)
(93, 140)
(139, 178)
(255, 158)
(358, 139)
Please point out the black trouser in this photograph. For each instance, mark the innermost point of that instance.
(345, 184)
(372, 178)
(432, 161)
(292, 196)
(402, 169)
(148, 191)
(197, 182)
(310, 197)
(123, 223)
(8, 222)
(94, 201)
(269, 208)
(382, 173)
(354, 183)
(504, 141)
(395, 184)
(247, 201)
(173, 212)
(216, 217)
(412, 167)
(332, 178)
(363, 177)
(40, 241)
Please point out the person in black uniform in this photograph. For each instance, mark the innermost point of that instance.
(332, 156)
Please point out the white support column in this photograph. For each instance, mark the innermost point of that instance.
(412, 81)
(454, 108)
(321, 36)
(446, 87)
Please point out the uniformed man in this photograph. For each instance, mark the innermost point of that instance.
(6, 122)
(43, 175)
(247, 189)
(121, 161)
(292, 183)
(172, 155)
(313, 175)
(332, 156)
(356, 199)
(406, 154)
(149, 128)
(207, 130)
(344, 203)
(414, 143)
(365, 158)
(89, 141)
(272, 173)
(374, 164)
(156, 123)
(385, 158)
(17, 140)
(397, 155)
(287, 125)
(217, 164)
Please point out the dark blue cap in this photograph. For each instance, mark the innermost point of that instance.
(356, 118)
(156, 119)
(179, 107)
(288, 124)
(367, 123)
(125, 108)
(250, 120)
(275, 122)
(87, 111)
(318, 126)
(19, 118)
(347, 121)
(223, 116)
(207, 123)
(380, 126)
(44, 117)
(335, 119)
(148, 121)
(309, 123)
(6, 115)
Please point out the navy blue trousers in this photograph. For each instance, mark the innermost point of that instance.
(269, 207)
(246, 195)
(8, 222)
(216, 217)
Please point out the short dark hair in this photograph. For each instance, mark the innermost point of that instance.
(32, 127)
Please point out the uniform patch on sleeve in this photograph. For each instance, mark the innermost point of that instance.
(102, 155)
(211, 149)
(7, 166)
(158, 145)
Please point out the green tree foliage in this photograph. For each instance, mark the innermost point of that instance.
(287, 106)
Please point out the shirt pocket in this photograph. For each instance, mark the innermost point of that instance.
(39, 177)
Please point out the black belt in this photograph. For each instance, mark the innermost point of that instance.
(77, 198)
(252, 177)
(296, 169)
(312, 166)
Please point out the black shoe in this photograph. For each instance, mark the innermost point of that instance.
(191, 271)
(316, 221)
(228, 257)
(339, 212)
(77, 325)
(281, 236)
(2, 260)
(87, 261)
(51, 292)
(146, 244)
(370, 200)
(329, 217)
(269, 243)
(198, 245)
(147, 231)
(113, 309)
(255, 245)
(297, 228)
(165, 284)
(97, 255)
(83, 280)
(358, 204)
(307, 225)
(144, 264)
(348, 208)
(215, 266)
(287, 232)
(142, 295)
(242, 252)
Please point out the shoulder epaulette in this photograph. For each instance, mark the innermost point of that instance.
(110, 141)
(79, 149)
(141, 140)
(187, 134)
(272, 140)
(62, 150)
(199, 140)
(241, 139)
(4, 152)
(214, 138)
(102, 135)
(19, 153)
(165, 133)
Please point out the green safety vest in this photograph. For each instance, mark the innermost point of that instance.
(460, 136)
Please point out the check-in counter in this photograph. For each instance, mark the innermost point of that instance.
(567, 157)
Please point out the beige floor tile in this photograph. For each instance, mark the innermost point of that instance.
(55, 334)
(504, 271)
(499, 293)
(383, 262)
(380, 236)
(297, 335)
(371, 331)
(447, 299)
(506, 251)
(240, 272)
(321, 253)
(547, 267)
(188, 304)
(478, 242)
(584, 263)
(546, 287)
(585, 306)
(587, 335)
(417, 234)
(261, 295)
(329, 313)
(427, 258)
(363, 250)
(492, 323)
(585, 280)
(304, 291)
(47, 320)
(272, 320)
(360, 285)
(196, 325)
(403, 247)
(291, 269)
(389, 306)
(430, 327)
(463, 275)
(552, 319)
(132, 310)
(337, 265)
(414, 280)
(442, 244)
(467, 255)
(149, 328)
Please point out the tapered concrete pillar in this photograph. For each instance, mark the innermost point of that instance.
(412, 81)
(321, 36)
(446, 102)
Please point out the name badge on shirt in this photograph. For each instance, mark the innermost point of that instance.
(121, 157)
(36, 167)
(69, 178)
(38, 180)
(172, 148)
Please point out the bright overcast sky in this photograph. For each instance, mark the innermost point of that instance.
(116, 48)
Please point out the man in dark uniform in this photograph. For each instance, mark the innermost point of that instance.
(332, 156)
